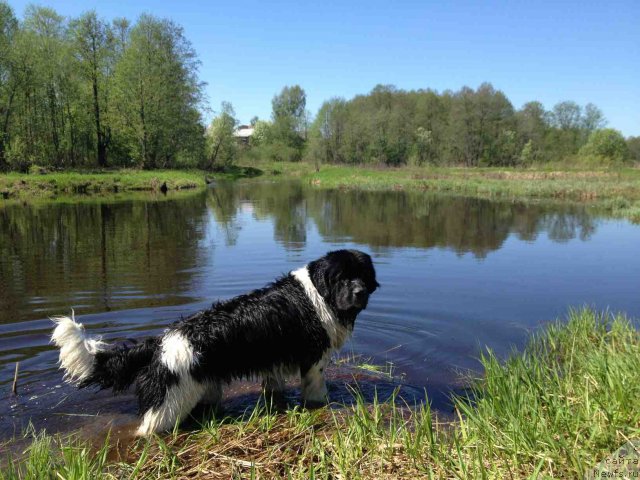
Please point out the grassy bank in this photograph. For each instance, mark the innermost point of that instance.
(554, 410)
(42, 186)
(49, 185)
(613, 190)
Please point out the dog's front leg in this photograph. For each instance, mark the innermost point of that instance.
(314, 387)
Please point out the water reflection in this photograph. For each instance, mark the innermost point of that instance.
(97, 256)
(397, 219)
(100, 256)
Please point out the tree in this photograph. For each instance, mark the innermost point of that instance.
(478, 119)
(221, 144)
(633, 145)
(159, 94)
(532, 128)
(566, 115)
(93, 44)
(288, 115)
(326, 142)
(608, 144)
(50, 124)
(592, 119)
(566, 138)
(262, 133)
(8, 80)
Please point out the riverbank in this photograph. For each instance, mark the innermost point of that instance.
(613, 191)
(53, 185)
(556, 409)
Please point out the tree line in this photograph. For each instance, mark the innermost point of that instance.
(468, 127)
(394, 127)
(87, 92)
(84, 92)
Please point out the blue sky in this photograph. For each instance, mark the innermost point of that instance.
(548, 51)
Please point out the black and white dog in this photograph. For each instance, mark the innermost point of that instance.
(288, 328)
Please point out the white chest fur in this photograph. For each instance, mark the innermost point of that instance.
(337, 332)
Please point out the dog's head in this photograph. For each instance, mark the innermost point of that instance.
(345, 279)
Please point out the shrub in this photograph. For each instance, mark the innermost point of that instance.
(608, 144)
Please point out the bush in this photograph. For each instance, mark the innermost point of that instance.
(17, 156)
(608, 144)
(633, 145)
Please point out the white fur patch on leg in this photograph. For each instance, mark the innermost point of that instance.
(77, 350)
(314, 387)
(179, 400)
(337, 332)
(177, 353)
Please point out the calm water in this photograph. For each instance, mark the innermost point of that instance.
(458, 275)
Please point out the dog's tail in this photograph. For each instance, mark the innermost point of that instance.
(90, 361)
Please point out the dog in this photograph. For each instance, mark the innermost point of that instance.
(288, 328)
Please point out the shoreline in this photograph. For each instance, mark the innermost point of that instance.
(614, 192)
(556, 408)
(16, 186)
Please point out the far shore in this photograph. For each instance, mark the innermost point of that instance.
(614, 190)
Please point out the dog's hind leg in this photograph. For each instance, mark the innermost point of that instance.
(273, 383)
(212, 393)
(314, 387)
(179, 400)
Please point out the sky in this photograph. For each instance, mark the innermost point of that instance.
(550, 51)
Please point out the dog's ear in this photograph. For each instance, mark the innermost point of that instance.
(368, 274)
(319, 272)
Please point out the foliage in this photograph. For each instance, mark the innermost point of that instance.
(289, 118)
(633, 145)
(221, 146)
(608, 144)
(85, 92)
(469, 127)
(262, 133)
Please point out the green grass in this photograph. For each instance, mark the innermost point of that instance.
(37, 187)
(554, 410)
(50, 185)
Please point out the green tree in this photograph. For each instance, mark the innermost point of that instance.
(8, 80)
(288, 115)
(93, 46)
(51, 124)
(262, 133)
(478, 119)
(633, 145)
(566, 118)
(221, 147)
(592, 119)
(533, 129)
(326, 142)
(158, 95)
(608, 144)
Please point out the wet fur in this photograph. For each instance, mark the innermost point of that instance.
(288, 328)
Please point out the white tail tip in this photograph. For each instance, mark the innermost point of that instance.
(77, 350)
